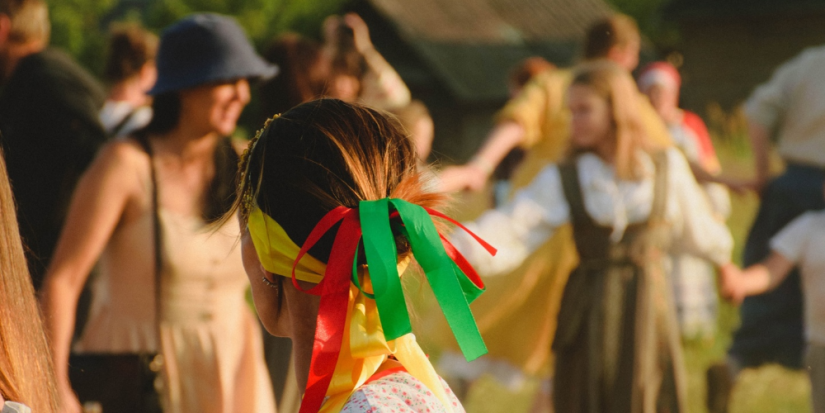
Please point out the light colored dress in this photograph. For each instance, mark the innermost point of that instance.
(694, 279)
(211, 340)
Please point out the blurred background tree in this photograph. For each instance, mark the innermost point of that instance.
(80, 26)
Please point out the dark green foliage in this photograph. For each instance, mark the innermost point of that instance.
(80, 26)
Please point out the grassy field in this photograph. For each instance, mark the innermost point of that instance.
(770, 389)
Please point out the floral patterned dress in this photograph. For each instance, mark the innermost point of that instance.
(399, 393)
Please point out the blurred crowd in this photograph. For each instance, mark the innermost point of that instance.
(125, 288)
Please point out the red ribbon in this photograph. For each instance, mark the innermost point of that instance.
(334, 292)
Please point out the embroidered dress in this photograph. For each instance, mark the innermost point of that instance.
(400, 393)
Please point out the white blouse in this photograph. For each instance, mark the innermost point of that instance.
(518, 228)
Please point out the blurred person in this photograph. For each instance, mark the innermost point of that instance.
(26, 375)
(416, 120)
(629, 201)
(303, 76)
(787, 109)
(693, 278)
(800, 243)
(49, 122)
(321, 163)
(538, 121)
(129, 72)
(519, 76)
(358, 72)
(527, 69)
(154, 196)
(536, 118)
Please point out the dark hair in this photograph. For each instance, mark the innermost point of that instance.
(328, 153)
(221, 193)
(130, 48)
(303, 74)
(166, 109)
(616, 30)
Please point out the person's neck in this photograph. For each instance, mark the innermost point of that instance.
(17, 51)
(187, 145)
(129, 91)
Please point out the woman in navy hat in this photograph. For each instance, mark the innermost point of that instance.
(148, 207)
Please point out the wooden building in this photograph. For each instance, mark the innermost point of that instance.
(455, 55)
(731, 46)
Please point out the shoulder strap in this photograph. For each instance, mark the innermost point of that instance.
(144, 142)
(122, 124)
(569, 173)
(657, 211)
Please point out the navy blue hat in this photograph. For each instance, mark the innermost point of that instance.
(205, 48)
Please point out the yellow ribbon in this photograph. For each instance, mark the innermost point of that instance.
(364, 348)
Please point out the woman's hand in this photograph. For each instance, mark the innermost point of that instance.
(361, 32)
(68, 400)
(730, 283)
(461, 178)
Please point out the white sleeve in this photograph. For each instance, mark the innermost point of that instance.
(791, 240)
(769, 100)
(517, 228)
(695, 228)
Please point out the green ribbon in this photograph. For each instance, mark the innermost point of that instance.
(452, 288)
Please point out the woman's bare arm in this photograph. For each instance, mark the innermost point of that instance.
(97, 206)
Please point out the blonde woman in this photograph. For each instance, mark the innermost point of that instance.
(629, 203)
(26, 375)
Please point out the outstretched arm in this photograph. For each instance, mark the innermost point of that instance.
(756, 279)
(382, 86)
(474, 174)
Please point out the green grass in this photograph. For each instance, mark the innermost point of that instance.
(769, 389)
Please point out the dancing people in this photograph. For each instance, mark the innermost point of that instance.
(630, 202)
(538, 120)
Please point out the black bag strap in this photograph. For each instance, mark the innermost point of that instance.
(122, 124)
(569, 172)
(144, 142)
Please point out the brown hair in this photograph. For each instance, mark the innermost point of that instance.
(521, 73)
(617, 30)
(302, 77)
(26, 373)
(29, 20)
(328, 153)
(130, 48)
(615, 85)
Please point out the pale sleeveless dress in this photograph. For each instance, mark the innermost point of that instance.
(211, 340)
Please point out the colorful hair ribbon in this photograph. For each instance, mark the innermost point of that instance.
(454, 282)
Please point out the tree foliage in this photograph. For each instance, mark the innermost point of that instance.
(80, 26)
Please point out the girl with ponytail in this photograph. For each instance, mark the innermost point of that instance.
(333, 211)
